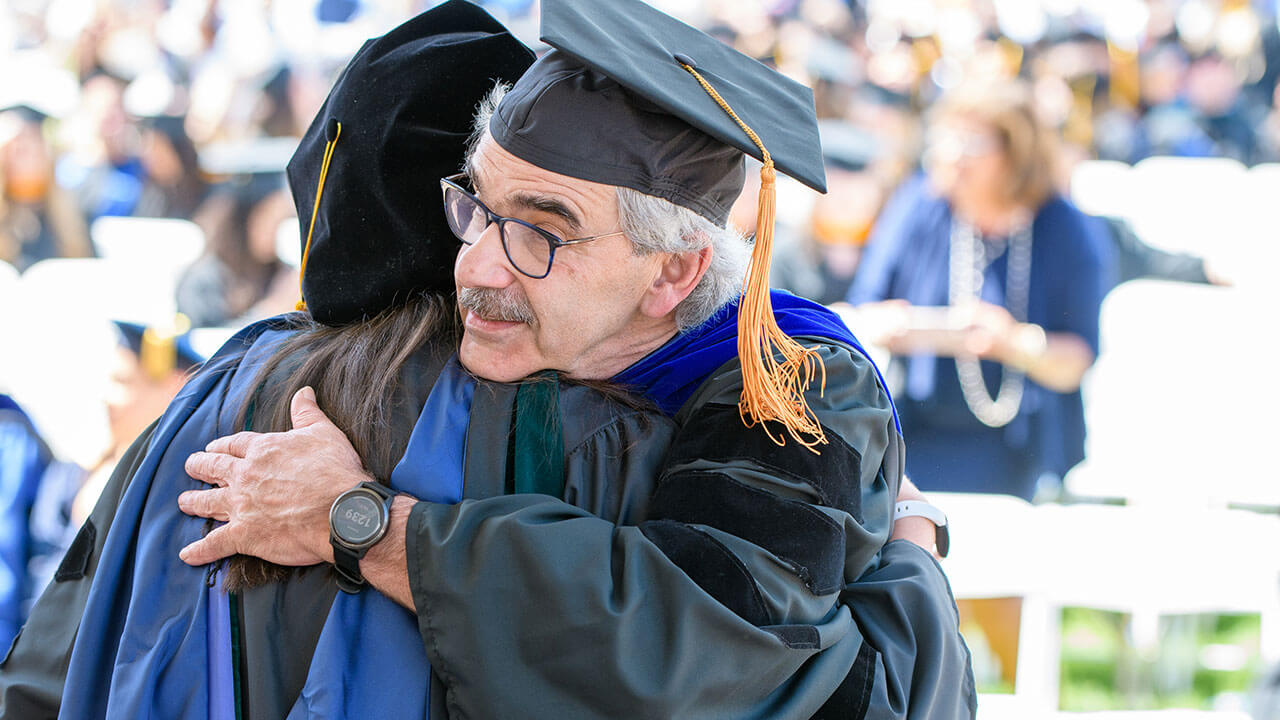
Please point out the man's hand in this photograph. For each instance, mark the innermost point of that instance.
(273, 490)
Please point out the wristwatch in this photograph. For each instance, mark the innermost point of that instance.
(920, 508)
(358, 519)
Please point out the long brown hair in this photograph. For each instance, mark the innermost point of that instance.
(356, 372)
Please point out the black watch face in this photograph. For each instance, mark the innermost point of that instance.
(357, 519)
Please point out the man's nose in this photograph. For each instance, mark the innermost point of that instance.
(484, 263)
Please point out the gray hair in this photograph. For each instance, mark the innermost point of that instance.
(655, 225)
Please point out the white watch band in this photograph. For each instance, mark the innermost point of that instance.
(920, 508)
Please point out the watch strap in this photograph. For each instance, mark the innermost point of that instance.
(347, 564)
(932, 513)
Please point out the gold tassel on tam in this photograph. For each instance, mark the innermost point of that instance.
(772, 388)
(333, 131)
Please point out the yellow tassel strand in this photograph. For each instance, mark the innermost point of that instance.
(306, 249)
(772, 390)
(158, 353)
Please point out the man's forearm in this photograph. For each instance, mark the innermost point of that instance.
(386, 569)
(384, 566)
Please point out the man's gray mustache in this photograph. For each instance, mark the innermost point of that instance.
(493, 304)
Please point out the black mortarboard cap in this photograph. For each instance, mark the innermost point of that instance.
(613, 104)
(160, 350)
(635, 98)
(395, 122)
(847, 147)
(27, 113)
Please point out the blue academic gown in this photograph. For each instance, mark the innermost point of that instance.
(908, 257)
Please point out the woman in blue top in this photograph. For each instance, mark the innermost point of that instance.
(985, 284)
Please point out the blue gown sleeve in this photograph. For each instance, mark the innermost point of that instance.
(22, 460)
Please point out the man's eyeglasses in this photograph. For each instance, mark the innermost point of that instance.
(530, 249)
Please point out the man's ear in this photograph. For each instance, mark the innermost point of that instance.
(679, 275)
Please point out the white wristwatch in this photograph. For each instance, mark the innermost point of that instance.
(920, 508)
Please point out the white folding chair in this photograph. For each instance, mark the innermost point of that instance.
(65, 343)
(163, 246)
(1188, 204)
(1101, 187)
(1177, 402)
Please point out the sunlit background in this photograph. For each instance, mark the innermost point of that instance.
(142, 145)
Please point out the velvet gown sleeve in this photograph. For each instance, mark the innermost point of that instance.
(733, 595)
(34, 672)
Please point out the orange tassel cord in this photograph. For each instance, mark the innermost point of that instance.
(776, 370)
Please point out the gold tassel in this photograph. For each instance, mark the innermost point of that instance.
(158, 352)
(772, 390)
(306, 249)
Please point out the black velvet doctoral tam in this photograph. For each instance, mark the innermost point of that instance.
(405, 104)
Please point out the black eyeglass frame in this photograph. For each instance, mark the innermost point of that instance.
(453, 182)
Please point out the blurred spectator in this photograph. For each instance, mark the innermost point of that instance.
(1169, 125)
(1227, 115)
(174, 186)
(276, 112)
(150, 367)
(819, 261)
(23, 457)
(104, 171)
(35, 493)
(981, 277)
(38, 219)
(240, 274)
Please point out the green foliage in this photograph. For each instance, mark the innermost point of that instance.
(1195, 661)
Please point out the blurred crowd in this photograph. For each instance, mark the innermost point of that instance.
(159, 108)
(946, 125)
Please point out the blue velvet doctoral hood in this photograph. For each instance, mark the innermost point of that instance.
(671, 374)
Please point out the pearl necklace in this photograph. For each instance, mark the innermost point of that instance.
(969, 262)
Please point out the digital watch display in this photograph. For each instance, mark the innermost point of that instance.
(358, 519)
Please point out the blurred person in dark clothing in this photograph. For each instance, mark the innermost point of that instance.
(985, 284)
(1135, 259)
(174, 186)
(275, 111)
(38, 219)
(1195, 107)
(240, 268)
(1227, 115)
